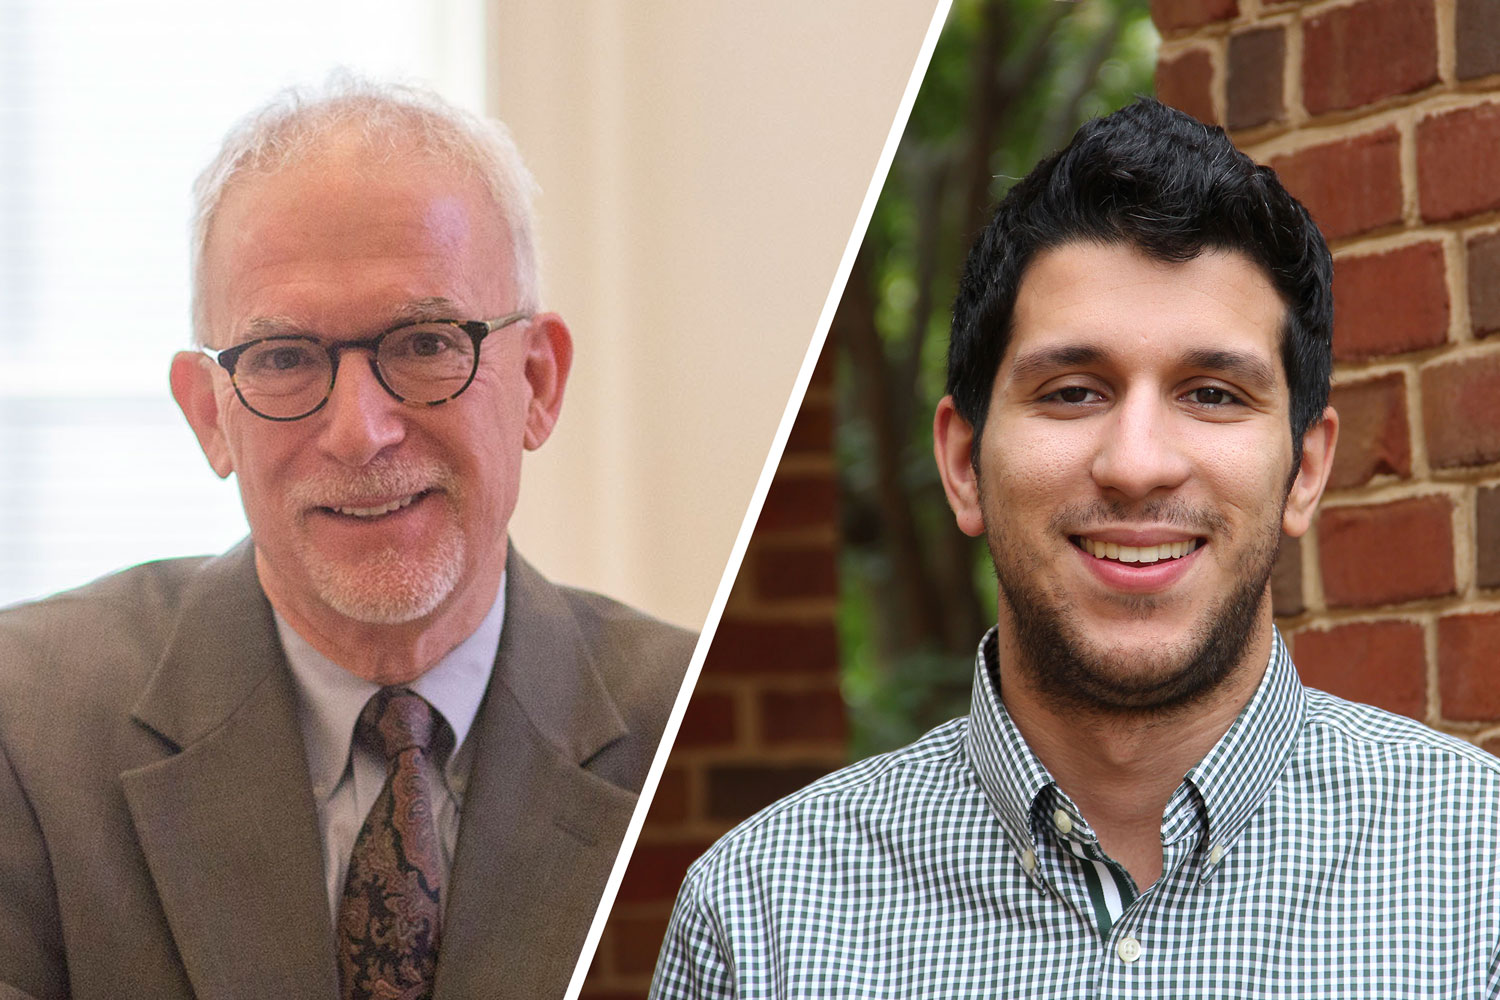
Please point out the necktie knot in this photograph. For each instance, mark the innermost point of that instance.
(396, 719)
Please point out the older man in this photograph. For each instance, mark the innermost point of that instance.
(371, 751)
(1144, 800)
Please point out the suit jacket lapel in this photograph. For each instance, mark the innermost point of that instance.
(228, 824)
(539, 831)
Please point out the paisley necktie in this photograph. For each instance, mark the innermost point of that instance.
(390, 916)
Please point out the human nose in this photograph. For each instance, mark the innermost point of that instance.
(360, 419)
(1139, 452)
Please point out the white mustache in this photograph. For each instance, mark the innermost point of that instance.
(382, 481)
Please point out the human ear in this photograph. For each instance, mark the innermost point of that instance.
(1312, 475)
(952, 446)
(193, 388)
(549, 357)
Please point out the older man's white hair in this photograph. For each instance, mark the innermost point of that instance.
(298, 122)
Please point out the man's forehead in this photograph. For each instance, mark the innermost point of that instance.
(1093, 304)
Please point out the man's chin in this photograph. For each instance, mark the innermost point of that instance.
(1140, 661)
(1131, 679)
(388, 587)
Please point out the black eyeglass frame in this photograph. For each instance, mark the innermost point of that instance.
(477, 330)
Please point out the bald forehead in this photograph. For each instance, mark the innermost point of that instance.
(353, 160)
(339, 237)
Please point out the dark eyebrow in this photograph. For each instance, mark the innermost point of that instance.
(1247, 370)
(1028, 367)
(1251, 372)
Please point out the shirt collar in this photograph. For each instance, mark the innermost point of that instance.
(1232, 780)
(1235, 776)
(330, 698)
(1009, 773)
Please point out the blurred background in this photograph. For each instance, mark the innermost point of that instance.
(853, 624)
(1010, 82)
(701, 168)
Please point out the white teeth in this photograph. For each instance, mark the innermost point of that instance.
(1138, 553)
(377, 511)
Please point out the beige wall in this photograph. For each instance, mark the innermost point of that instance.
(702, 166)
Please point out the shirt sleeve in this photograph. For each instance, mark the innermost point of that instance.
(695, 961)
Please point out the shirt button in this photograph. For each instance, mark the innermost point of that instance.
(1061, 821)
(1028, 861)
(1129, 949)
(1216, 855)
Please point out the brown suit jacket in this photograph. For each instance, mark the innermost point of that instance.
(158, 836)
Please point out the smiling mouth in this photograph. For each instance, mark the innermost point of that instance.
(380, 510)
(1136, 553)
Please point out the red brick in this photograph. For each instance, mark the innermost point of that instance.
(1253, 86)
(1379, 663)
(1487, 537)
(1350, 186)
(746, 647)
(636, 942)
(1483, 253)
(656, 871)
(1387, 553)
(799, 500)
(708, 721)
(794, 572)
(597, 967)
(1390, 302)
(669, 806)
(1468, 683)
(823, 369)
(737, 791)
(1458, 163)
(812, 431)
(1477, 31)
(1286, 578)
(1461, 411)
(1186, 83)
(1367, 51)
(1172, 15)
(804, 716)
(1374, 437)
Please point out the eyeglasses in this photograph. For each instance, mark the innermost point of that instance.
(290, 376)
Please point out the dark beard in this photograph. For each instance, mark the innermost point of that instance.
(1073, 677)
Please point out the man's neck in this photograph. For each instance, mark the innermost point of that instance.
(1119, 769)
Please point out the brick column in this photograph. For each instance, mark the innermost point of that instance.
(767, 716)
(1383, 116)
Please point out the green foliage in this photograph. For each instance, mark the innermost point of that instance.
(1009, 82)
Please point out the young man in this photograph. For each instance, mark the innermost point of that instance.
(1144, 800)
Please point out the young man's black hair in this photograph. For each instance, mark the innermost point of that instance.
(1157, 179)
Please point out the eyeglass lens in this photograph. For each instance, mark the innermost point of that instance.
(288, 377)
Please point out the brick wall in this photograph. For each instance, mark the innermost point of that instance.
(767, 716)
(1383, 116)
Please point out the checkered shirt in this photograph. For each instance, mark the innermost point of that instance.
(1320, 849)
